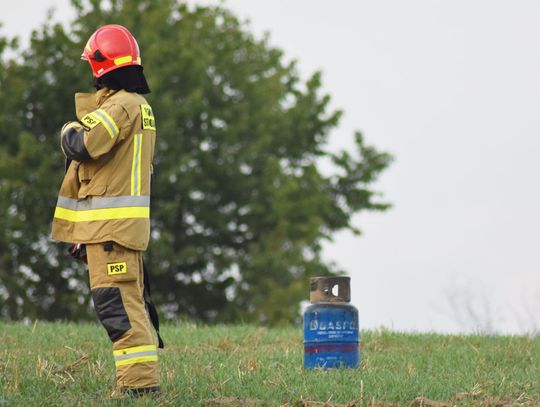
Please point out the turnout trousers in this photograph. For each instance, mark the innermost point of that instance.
(117, 287)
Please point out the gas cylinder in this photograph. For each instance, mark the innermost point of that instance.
(331, 334)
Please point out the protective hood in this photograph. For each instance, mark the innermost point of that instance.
(129, 78)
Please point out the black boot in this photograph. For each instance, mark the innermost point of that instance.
(141, 392)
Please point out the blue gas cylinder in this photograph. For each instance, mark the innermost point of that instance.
(331, 333)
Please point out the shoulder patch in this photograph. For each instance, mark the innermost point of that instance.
(147, 117)
(100, 116)
(90, 121)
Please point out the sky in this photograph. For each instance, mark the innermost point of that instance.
(452, 90)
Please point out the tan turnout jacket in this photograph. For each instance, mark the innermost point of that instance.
(105, 195)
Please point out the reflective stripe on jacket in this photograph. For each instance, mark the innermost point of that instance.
(105, 195)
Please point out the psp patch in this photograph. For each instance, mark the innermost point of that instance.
(147, 116)
(116, 268)
(90, 121)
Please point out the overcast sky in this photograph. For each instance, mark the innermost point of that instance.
(452, 89)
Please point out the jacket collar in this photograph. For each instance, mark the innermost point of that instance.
(88, 102)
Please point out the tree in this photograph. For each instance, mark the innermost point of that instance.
(239, 206)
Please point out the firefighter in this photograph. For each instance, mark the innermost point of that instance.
(103, 206)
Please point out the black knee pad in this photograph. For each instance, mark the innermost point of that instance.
(110, 311)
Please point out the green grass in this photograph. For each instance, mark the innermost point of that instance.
(66, 364)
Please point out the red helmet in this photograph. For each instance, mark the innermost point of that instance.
(111, 47)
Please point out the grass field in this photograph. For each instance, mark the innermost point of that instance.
(65, 364)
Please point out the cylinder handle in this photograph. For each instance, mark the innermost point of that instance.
(330, 289)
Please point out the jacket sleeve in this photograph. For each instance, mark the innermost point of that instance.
(103, 129)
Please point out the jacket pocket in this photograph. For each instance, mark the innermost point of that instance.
(89, 189)
(86, 171)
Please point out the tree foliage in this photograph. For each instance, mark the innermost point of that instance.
(239, 205)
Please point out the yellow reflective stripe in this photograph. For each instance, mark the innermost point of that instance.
(103, 202)
(139, 137)
(122, 60)
(136, 166)
(133, 166)
(134, 349)
(145, 353)
(102, 214)
(107, 122)
(139, 359)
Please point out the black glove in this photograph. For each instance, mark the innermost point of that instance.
(78, 251)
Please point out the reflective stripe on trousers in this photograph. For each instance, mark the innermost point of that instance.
(136, 354)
